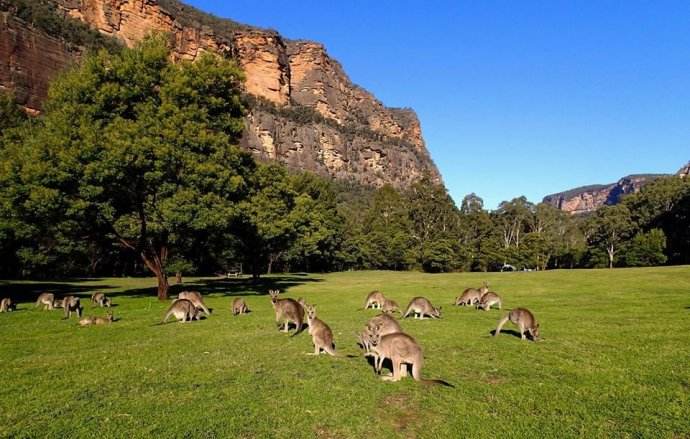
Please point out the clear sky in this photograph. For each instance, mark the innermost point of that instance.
(515, 97)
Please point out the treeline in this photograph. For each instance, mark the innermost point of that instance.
(134, 168)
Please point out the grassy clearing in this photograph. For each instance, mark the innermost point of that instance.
(615, 361)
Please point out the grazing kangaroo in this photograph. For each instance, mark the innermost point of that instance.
(47, 300)
(71, 304)
(88, 321)
(471, 296)
(239, 306)
(390, 306)
(183, 310)
(375, 300)
(101, 300)
(488, 300)
(321, 334)
(196, 298)
(6, 305)
(524, 320)
(287, 310)
(420, 306)
(402, 350)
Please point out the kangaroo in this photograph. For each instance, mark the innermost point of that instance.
(47, 300)
(6, 305)
(390, 306)
(71, 304)
(471, 296)
(488, 300)
(239, 306)
(183, 310)
(321, 334)
(88, 321)
(196, 298)
(287, 310)
(402, 350)
(375, 300)
(420, 306)
(383, 324)
(101, 300)
(524, 320)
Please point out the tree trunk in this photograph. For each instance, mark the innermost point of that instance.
(178, 277)
(155, 261)
(163, 286)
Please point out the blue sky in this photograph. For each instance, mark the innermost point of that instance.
(515, 97)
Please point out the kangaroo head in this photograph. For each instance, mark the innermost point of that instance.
(535, 332)
(436, 311)
(311, 312)
(274, 295)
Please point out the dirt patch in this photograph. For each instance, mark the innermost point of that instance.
(403, 413)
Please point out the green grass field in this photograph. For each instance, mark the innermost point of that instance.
(614, 361)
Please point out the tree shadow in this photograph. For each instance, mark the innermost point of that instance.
(230, 287)
(28, 291)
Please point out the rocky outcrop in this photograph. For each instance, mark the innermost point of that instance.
(29, 60)
(587, 199)
(347, 133)
(684, 171)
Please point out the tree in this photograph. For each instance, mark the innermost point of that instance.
(609, 228)
(646, 249)
(137, 148)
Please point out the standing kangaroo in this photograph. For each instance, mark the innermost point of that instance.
(7, 305)
(375, 300)
(183, 310)
(196, 298)
(382, 324)
(287, 311)
(488, 300)
(390, 306)
(239, 306)
(47, 300)
(320, 332)
(420, 306)
(101, 300)
(524, 320)
(71, 304)
(402, 350)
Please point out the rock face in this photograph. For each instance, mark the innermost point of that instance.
(308, 114)
(587, 199)
(684, 171)
(29, 59)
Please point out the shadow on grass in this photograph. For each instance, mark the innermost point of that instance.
(512, 332)
(28, 291)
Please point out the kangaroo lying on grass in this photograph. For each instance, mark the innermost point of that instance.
(402, 350)
(320, 332)
(88, 321)
(420, 306)
(183, 310)
(524, 320)
(472, 296)
(239, 306)
(6, 305)
(287, 311)
(196, 298)
(71, 304)
(488, 300)
(47, 300)
(375, 300)
(101, 300)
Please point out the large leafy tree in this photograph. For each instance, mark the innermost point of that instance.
(136, 148)
(609, 228)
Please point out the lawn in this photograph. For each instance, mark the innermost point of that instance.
(614, 361)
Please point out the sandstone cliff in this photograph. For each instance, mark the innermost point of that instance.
(307, 112)
(589, 198)
(684, 171)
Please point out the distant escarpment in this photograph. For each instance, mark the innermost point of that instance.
(589, 198)
(305, 112)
